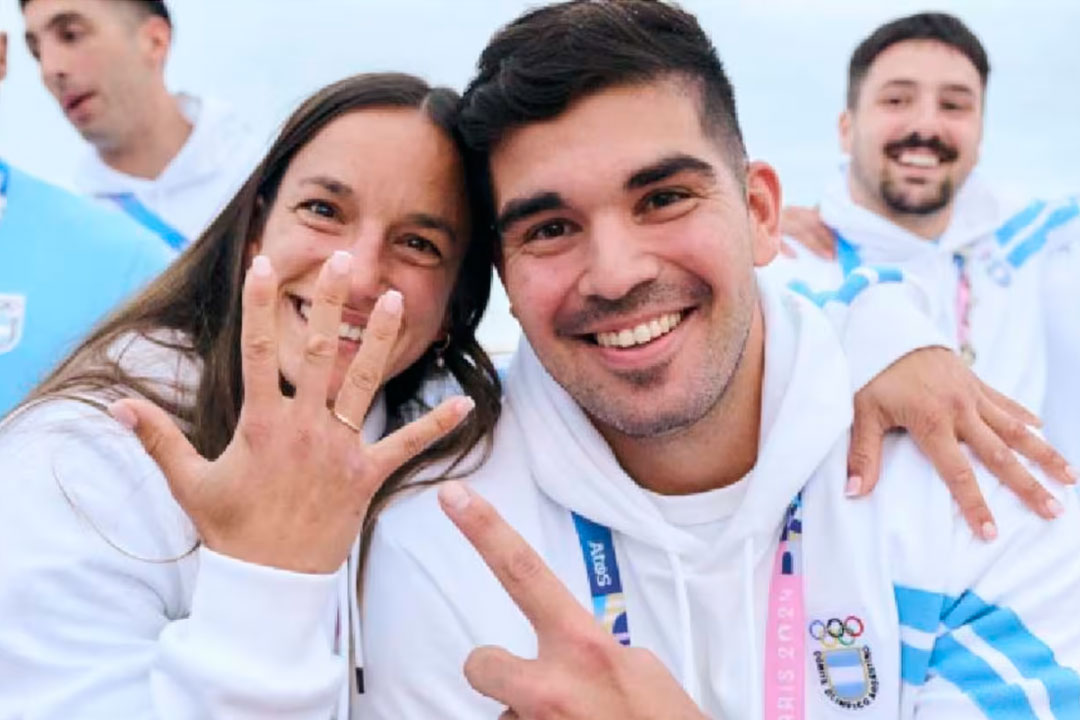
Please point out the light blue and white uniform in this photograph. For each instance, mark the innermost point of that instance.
(906, 613)
(197, 183)
(1021, 263)
(64, 264)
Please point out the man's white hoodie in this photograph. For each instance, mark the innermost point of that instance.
(1025, 283)
(953, 626)
(194, 187)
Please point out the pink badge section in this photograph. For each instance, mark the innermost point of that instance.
(784, 645)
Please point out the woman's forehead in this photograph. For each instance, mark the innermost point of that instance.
(393, 161)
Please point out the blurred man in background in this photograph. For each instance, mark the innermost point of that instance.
(64, 263)
(998, 271)
(169, 161)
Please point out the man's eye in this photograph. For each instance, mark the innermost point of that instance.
(69, 35)
(662, 199)
(319, 207)
(548, 230)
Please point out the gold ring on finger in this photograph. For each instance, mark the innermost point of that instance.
(346, 422)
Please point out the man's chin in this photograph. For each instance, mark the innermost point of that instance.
(917, 202)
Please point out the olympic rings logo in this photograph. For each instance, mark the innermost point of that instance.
(834, 632)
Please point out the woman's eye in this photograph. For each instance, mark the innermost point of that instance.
(321, 208)
(422, 244)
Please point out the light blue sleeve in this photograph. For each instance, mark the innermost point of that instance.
(1005, 632)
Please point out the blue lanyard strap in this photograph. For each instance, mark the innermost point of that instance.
(847, 254)
(148, 219)
(609, 602)
(602, 566)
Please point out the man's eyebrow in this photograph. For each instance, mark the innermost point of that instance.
(56, 21)
(329, 184)
(518, 209)
(433, 222)
(667, 167)
(958, 88)
(901, 82)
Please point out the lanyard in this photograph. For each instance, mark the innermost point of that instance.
(784, 642)
(148, 219)
(849, 259)
(5, 178)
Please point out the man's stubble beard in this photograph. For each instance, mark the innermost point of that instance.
(719, 367)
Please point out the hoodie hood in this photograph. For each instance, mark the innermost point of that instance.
(977, 212)
(801, 420)
(216, 134)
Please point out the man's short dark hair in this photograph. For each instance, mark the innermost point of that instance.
(537, 66)
(939, 27)
(152, 7)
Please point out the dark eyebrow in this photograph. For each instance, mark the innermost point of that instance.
(56, 21)
(665, 168)
(520, 208)
(433, 222)
(901, 83)
(330, 185)
(958, 88)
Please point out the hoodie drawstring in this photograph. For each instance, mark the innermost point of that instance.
(690, 681)
(751, 629)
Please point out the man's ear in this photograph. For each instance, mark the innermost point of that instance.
(844, 128)
(3, 55)
(763, 199)
(155, 38)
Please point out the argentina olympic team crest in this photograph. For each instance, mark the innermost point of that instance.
(12, 319)
(844, 663)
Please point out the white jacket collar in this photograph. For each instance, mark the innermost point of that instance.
(216, 133)
(977, 211)
(806, 408)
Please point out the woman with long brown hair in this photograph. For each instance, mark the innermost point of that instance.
(205, 564)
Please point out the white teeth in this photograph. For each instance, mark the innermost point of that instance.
(919, 160)
(345, 330)
(350, 332)
(639, 335)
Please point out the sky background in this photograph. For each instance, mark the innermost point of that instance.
(787, 60)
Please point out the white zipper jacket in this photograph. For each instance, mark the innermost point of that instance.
(1023, 261)
(948, 626)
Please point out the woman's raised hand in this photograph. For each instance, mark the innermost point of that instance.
(291, 489)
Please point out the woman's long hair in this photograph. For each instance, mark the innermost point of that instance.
(198, 298)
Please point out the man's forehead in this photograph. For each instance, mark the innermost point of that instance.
(924, 62)
(602, 139)
(40, 14)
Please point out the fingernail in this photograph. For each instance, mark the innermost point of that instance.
(1070, 472)
(464, 405)
(1055, 508)
(123, 415)
(392, 301)
(260, 266)
(989, 531)
(341, 262)
(453, 495)
(853, 487)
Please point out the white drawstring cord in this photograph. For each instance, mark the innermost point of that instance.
(755, 659)
(690, 680)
